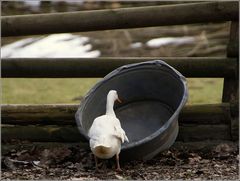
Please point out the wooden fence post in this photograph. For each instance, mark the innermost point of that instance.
(231, 85)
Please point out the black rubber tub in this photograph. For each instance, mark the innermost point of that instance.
(152, 93)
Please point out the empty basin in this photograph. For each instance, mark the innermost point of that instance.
(152, 93)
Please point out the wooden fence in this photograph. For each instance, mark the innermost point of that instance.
(55, 123)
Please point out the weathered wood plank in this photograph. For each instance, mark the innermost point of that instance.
(196, 132)
(206, 114)
(119, 18)
(99, 67)
(235, 128)
(203, 146)
(234, 107)
(65, 133)
(231, 84)
(64, 114)
(233, 45)
(59, 114)
(42, 133)
(230, 90)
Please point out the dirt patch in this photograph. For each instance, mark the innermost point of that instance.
(72, 163)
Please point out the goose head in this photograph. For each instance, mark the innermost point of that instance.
(111, 98)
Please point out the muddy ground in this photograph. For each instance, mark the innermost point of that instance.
(74, 162)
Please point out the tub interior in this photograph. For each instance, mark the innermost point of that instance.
(142, 118)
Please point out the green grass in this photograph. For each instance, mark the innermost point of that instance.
(44, 91)
(50, 91)
(205, 90)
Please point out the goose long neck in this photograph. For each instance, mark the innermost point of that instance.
(109, 106)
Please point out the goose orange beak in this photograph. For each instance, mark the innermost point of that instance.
(119, 100)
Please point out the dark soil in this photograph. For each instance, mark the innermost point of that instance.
(73, 162)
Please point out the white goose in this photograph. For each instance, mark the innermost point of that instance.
(106, 133)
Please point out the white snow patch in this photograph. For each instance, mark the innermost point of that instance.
(157, 42)
(32, 3)
(52, 46)
(36, 3)
(136, 45)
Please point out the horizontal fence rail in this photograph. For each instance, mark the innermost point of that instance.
(59, 114)
(56, 123)
(99, 67)
(69, 133)
(119, 18)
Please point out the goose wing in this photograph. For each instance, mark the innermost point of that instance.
(107, 125)
(120, 133)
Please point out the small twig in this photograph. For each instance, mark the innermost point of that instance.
(18, 161)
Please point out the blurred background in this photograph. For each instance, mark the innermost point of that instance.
(197, 40)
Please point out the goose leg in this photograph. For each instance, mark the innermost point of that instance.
(96, 163)
(118, 165)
